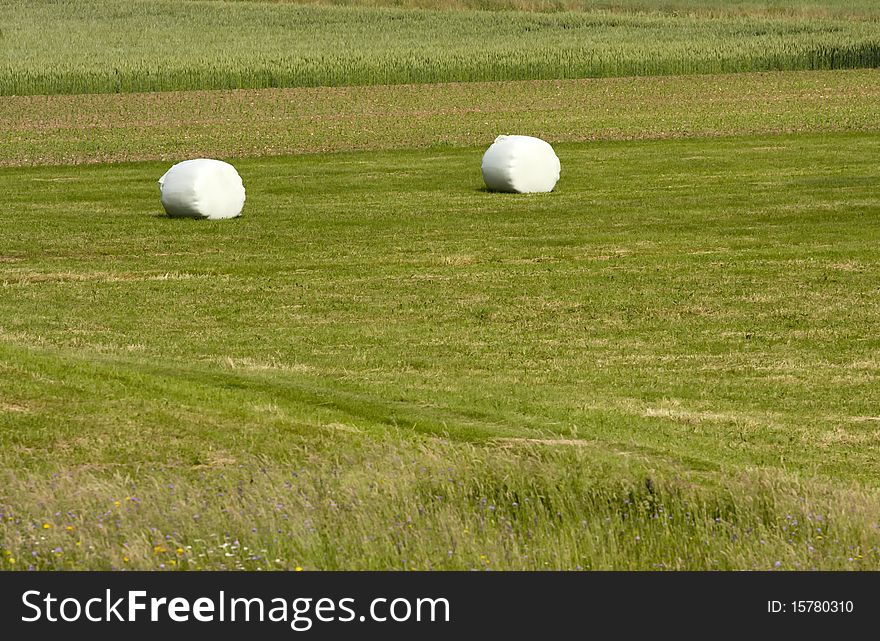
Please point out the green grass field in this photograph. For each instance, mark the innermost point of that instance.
(677, 310)
(102, 46)
(44, 130)
(862, 9)
(669, 362)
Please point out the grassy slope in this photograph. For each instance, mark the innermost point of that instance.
(122, 127)
(146, 45)
(689, 310)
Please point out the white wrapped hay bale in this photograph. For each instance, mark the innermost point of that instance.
(520, 164)
(202, 188)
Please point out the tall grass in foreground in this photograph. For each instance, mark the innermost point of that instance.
(356, 503)
(103, 46)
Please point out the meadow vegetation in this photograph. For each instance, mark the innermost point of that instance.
(346, 501)
(670, 362)
(861, 9)
(107, 46)
(692, 312)
(43, 130)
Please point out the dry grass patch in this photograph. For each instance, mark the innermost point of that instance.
(52, 130)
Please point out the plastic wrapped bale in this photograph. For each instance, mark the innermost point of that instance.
(202, 188)
(520, 164)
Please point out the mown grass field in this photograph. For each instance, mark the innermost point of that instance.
(693, 312)
(668, 363)
(43, 130)
(110, 46)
